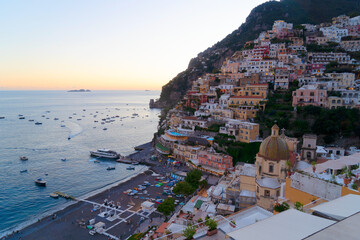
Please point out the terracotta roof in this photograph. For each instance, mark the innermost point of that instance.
(162, 227)
(190, 118)
(255, 97)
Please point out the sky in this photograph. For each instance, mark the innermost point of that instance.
(108, 44)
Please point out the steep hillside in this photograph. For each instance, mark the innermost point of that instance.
(261, 18)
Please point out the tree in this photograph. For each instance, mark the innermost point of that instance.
(184, 188)
(167, 207)
(189, 232)
(203, 183)
(193, 177)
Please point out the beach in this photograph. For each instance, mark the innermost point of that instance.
(68, 223)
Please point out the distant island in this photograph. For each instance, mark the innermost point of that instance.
(80, 90)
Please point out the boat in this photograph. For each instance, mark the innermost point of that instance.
(21, 117)
(104, 129)
(23, 171)
(40, 182)
(135, 163)
(54, 195)
(96, 161)
(105, 153)
(23, 158)
(62, 125)
(38, 123)
(56, 119)
(31, 120)
(63, 159)
(2, 117)
(110, 168)
(130, 168)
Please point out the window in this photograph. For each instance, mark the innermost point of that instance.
(267, 193)
(257, 189)
(278, 193)
(271, 168)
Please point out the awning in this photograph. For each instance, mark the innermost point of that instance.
(161, 149)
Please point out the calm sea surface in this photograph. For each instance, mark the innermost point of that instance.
(45, 145)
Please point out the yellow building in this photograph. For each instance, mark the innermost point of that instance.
(248, 132)
(334, 102)
(244, 112)
(239, 101)
(185, 152)
(258, 90)
(270, 165)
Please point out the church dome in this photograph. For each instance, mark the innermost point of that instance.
(274, 147)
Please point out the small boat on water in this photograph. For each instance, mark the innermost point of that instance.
(23, 171)
(1, 117)
(31, 120)
(21, 117)
(130, 168)
(110, 168)
(104, 129)
(63, 159)
(135, 163)
(38, 123)
(40, 182)
(96, 161)
(62, 125)
(54, 195)
(105, 153)
(23, 158)
(56, 119)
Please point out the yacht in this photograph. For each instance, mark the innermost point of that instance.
(40, 182)
(105, 153)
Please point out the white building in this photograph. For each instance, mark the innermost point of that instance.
(334, 34)
(279, 25)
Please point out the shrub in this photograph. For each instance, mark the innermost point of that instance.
(281, 207)
(189, 232)
(211, 224)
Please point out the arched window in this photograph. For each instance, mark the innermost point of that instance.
(271, 168)
(308, 155)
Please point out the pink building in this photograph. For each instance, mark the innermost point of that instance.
(309, 95)
(215, 160)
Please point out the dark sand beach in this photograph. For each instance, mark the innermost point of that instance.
(69, 223)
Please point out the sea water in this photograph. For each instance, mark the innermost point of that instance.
(45, 145)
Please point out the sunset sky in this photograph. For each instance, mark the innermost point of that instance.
(108, 44)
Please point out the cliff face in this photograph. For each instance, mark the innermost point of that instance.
(260, 19)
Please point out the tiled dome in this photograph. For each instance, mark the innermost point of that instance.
(273, 147)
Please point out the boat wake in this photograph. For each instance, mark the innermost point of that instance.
(75, 129)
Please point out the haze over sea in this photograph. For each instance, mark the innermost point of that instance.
(45, 145)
